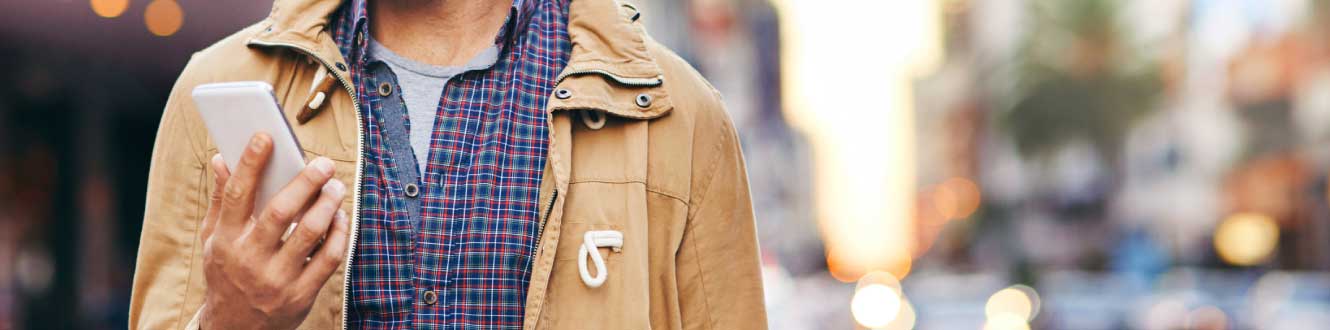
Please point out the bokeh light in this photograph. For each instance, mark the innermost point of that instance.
(163, 17)
(905, 319)
(864, 199)
(1246, 239)
(1018, 300)
(956, 198)
(109, 8)
(1006, 321)
(875, 305)
(879, 302)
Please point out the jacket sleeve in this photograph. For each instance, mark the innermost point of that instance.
(718, 264)
(169, 248)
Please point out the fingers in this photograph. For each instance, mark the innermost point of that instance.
(220, 174)
(287, 203)
(238, 196)
(330, 255)
(314, 224)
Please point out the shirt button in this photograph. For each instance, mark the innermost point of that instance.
(385, 89)
(412, 190)
(430, 297)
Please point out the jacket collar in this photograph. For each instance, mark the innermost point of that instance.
(609, 62)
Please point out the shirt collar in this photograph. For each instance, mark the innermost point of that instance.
(513, 25)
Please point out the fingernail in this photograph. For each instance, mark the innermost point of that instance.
(323, 165)
(334, 186)
(341, 216)
(258, 142)
(217, 158)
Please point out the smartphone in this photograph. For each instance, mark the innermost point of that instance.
(234, 112)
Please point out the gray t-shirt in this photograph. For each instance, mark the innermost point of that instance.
(422, 89)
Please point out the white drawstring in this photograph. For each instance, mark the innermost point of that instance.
(591, 241)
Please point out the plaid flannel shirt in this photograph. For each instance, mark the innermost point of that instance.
(465, 263)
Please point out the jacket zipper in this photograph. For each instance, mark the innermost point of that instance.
(636, 82)
(540, 231)
(355, 204)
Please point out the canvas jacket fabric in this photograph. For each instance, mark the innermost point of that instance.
(639, 143)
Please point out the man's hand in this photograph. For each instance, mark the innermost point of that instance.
(254, 279)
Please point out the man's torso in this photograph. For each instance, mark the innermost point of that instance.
(449, 244)
(663, 170)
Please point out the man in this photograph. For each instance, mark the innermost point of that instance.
(528, 164)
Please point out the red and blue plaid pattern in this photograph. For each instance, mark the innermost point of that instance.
(474, 244)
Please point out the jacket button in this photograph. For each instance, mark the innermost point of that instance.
(385, 89)
(563, 94)
(412, 190)
(430, 297)
(643, 100)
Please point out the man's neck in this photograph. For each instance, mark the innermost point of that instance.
(437, 32)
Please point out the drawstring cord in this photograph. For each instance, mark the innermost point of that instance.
(319, 90)
(591, 241)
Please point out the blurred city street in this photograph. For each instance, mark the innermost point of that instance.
(914, 164)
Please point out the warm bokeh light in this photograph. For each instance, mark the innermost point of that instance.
(109, 8)
(163, 17)
(1033, 296)
(945, 202)
(956, 198)
(1005, 321)
(905, 319)
(879, 302)
(1018, 300)
(1246, 239)
(848, 266)
(875, 305)
(861, 128)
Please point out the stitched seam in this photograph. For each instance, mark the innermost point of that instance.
(705, 188)
(650, 188)
(189, 258)
(702, 281)
(706, 185)
(662, 193)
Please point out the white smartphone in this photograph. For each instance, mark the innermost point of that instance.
(234, 112)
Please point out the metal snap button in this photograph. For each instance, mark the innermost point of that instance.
(430, 297)
(643, 100)
(385, 89)
(412, 190)
(563, 94)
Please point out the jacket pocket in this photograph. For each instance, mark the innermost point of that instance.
(619, 302)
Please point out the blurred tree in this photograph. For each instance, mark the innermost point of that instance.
(1076, 82)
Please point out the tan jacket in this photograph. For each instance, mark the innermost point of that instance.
(665, 170)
